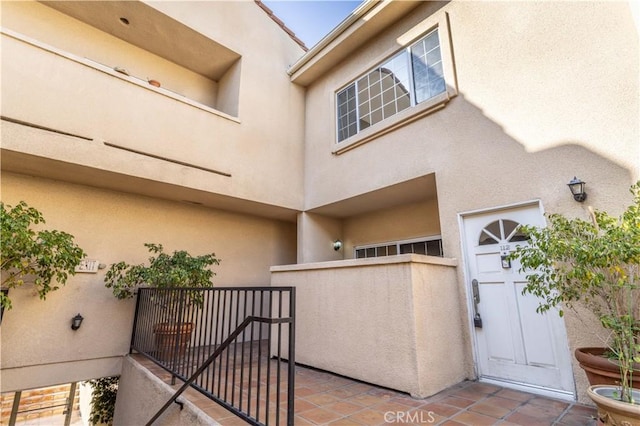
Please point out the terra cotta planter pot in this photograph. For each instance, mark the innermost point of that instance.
(172, 340)
(601, 370)
(611, 411)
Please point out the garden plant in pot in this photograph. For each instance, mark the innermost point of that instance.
(179, 270)
(28, 255)
(596, 264)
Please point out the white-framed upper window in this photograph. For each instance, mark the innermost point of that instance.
(408, 78)
(431, 246)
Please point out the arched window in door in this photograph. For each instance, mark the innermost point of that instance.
(501, 231)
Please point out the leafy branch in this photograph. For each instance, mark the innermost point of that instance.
(45, 257)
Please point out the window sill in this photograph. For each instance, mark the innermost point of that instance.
(399, 120)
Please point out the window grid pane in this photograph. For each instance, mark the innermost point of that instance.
(431, 247)
(385, 91)
(426, 60)
(347, 125)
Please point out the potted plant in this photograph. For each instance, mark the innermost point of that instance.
(177, 270)
(45, 258)
(594, 263)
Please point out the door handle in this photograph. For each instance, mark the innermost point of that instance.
(476, 291)
(477, 320)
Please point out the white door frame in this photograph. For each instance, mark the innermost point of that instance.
(470, 306)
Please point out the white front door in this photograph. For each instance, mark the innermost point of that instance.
(515, 343)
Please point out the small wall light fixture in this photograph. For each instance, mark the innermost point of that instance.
(577, 189)
(76, 322)
(337, 245)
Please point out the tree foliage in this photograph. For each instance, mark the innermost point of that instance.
(44, 257)
(595, 263)
(179, 269)
(103, 399)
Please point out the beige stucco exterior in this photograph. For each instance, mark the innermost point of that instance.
(141, 394)
(111, 227)
(212, 170)
(386, 311)
(236, 153)
(254, 155)
(529, 107)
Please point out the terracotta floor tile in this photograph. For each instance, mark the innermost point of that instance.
(408, 401)
(303, 392)
(232, 421)
(386, 393)
(441, 409)
(213, 409)
(485, 388)
(321, 399)
(344, 422)
(474, 419)
(362, 387)
(583, 410)
(324, 386)
(299, 421)
(319, 416)
(469, 394)
(343, 392)
(489, 409)
(452, 423)
(301, 405)
(514, 394)
(548, 402)
(341, 381)
(344, 407)
(574, 419)
(456, 402)
(411, 418)
(368, 417)
(391, 406)
(543, 411)
(502, 402)
(527, 420)
(367, 400)
(425, 417)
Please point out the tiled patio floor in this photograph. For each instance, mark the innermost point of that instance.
(326, 399)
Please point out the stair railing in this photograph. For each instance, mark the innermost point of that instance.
(230, 346)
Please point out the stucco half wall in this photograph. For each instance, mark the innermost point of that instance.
(392, 321)
(141, 395)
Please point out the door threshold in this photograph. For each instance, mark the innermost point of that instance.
(537, 390)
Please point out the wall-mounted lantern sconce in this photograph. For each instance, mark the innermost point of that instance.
(577, 189)
(76, 322)
(337, 245)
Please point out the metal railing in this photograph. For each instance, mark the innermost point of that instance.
(235, 345)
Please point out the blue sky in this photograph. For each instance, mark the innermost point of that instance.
(311, 20)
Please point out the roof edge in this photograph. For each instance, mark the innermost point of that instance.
(358, 13)
(281, 24)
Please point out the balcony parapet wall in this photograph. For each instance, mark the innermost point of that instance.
(393, 321)
(82, 97)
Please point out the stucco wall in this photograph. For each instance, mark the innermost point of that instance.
(533, 107)
(141, 395)
(43, 23)
(384, 321)
(398, 223)
(542, 97)
(258, 144)
(111, 227)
